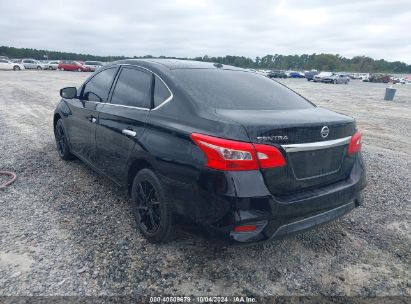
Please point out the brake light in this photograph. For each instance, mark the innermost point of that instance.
(269, 156)
(225, 154)
(245, 228)
(355, 144)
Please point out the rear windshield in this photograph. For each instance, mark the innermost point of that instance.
(238, 90)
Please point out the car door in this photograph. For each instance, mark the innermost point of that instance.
(122, 121)
(81, 124)
(66, 65)
(32, 64)
(26, 63)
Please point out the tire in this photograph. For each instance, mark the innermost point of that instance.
(39, 68)
(61, 141)
(16, 68)
(152, 212)
(78, 70)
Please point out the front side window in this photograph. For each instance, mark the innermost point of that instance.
(98, 87)
(133, 88)
(161, 93)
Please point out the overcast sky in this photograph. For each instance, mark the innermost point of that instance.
(187, 28)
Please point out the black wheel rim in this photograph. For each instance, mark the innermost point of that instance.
(148, 207)
(60, 139)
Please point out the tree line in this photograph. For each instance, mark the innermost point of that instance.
(321, 62)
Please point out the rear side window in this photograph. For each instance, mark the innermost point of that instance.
(238, 90)
(161, 93)
(133, 88)
(98, 87)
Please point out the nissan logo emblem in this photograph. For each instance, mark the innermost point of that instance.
(324, 132)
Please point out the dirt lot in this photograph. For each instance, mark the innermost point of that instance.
(67, 231)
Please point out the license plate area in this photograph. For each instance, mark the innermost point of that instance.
(316, 163)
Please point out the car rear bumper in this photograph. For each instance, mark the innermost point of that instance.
(224, 202)
(274, 229)
(315, 220)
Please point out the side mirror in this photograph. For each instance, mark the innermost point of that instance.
(69, 92)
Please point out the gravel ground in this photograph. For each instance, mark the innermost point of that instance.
(67, 231)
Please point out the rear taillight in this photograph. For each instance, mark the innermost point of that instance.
(355, 144)
(245, 228)
(225, 154)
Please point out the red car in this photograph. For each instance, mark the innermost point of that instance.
(70, 65)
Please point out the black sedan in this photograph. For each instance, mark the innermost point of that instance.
(225, 147)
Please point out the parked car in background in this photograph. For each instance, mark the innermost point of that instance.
(93, 65)
(276, 74)
(310, 75)
(9, 65)
(365, 78)
(336, 78)
(396, 80)
(30, 63)
(71, 65)
(254, 162)
(378, 78)
(53, 65)
(263, 72)
(320, 76)
(295, 75)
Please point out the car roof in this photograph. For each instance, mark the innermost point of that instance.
(174, 64)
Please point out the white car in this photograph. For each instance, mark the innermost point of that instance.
(9, 65)
(93, 65)
(53, 65)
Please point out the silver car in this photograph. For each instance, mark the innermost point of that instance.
(93, 65)
(330, 77)
(33, 64)
(337, 78)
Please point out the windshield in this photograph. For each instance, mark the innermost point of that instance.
(238, 90)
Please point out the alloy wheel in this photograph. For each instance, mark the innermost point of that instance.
(148, 207)
(60, 139)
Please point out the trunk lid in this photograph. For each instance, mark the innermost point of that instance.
(314, 142)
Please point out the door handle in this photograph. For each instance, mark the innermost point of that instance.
(129, 132)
